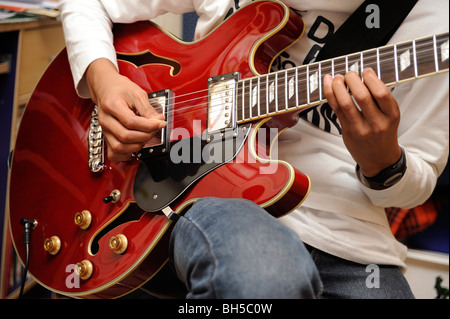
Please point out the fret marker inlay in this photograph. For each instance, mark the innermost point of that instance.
(291, 88)
(355, 67)
(302, 87)
(405, 60)
(313, 82)
(444, 51)
(271, 92)
(254, 95)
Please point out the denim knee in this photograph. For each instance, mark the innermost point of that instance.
(232, 248)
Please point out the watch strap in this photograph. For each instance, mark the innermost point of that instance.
(387, 177)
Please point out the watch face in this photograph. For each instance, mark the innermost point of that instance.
(393, 179)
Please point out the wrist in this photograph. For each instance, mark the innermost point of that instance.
(98, 72)
(387, 177)
(100, 68)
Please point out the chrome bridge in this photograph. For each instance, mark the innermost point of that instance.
(96, 144)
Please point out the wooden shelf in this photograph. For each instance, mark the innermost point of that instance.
(5, 67)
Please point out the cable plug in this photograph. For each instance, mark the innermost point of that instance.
(28, 225)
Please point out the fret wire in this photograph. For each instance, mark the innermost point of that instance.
(308, 99)
(285, 89)
(236, 110)
(259, 98)
(296, 87)
(436, 58)
(361, 61)
(320, 80)
(276, 92)
(416, 72)
(346, 71)
(242, 98)
(362, 66)
(332, 68)
(395, 63)
(254, 98)
(267, 94)
(238, 96)
(250, 98)
(378, 63)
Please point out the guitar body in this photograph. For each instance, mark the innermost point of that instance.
(51, 181)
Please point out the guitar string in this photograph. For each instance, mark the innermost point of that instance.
(418, 51)
(282, 86)
(342, 62)
(301, 81)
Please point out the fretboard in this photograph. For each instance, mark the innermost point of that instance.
(301, 87)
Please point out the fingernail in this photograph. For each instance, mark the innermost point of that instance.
(367, 70)
(327, 79)
(162, 124)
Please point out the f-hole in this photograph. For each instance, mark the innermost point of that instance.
(147, 58)
(132, 213)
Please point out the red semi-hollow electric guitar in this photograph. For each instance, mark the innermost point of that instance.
(102, 228)
(93, 239)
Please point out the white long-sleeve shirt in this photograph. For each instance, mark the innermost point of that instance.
(340, 215)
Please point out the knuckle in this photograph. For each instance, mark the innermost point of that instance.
(364, 98)
(129, 121)
(347, 105)
(382, 95)
(115, 147)
(339, 79)
(122, 136)
(364, 133)
(378, 129)
(350, 75)
(108, 103)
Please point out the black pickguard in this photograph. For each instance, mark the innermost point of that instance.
(162, 177)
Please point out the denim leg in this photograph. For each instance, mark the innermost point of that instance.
(343, 279)
(232, 248)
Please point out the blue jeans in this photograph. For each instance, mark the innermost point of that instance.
(232, 248)
(344, 279)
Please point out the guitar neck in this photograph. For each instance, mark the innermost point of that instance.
(300, 88)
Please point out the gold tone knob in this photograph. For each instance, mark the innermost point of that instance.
(118, 244)
(83, 219)
(52, 245)
(85, 269)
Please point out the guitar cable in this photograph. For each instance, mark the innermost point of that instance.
(28, 225)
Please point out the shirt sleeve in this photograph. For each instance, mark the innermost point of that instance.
(424, 134)
(87, 28)
(424, 126)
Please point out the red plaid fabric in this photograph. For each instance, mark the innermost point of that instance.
(407, 222)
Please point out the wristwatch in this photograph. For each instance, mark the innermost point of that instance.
(387, 177)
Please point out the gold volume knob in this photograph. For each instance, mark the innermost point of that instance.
(83, 219)
(52, 245)
(118, 244)
(85, 269)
